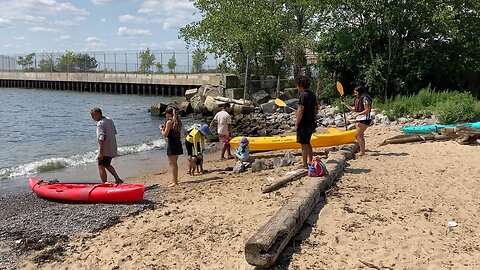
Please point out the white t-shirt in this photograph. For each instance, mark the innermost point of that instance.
(224, 119)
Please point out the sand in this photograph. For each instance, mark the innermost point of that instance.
(389, 211)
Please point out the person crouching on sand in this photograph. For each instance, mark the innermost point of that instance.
(361, 113)
(195, 145)
(172, 131)
(242, 153)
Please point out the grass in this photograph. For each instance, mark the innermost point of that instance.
(449, 107)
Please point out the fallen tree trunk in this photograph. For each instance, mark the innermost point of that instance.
(264, 247)
(462, 135)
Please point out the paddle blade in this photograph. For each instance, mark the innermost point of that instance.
(340, 88)
(280, 103)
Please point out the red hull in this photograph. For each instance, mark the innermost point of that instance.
(91, 193)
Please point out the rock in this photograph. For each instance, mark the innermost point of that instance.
(234, 93)
(351, 127)
(330, 121)
(229, 81)
(157, 109)
(239, 167)
(279, 162)
(290, 158)
(185, 108)
(190, 93)
(259, 165)
(260, 97)
(197, 102)
(402, 120)
(268, 107)
(242, 109)
(262, 132)
(212, 105)
(209, 90)
(291, 93)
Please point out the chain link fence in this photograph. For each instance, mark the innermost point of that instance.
(106, 62)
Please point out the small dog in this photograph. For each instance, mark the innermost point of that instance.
(195, 162)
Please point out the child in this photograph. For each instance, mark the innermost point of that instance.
(242, 153)
(195, 141)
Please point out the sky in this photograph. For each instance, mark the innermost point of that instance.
(93, 25)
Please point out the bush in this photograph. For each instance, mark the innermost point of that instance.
(450, 107)
(459, 107)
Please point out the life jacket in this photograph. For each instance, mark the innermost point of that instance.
(317, 168)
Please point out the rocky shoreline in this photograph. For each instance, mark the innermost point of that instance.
(30, 224)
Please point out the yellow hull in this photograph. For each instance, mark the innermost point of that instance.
(333, 138)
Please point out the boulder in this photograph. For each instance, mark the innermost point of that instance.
(402, 120)
(212, 105)
(259, 165)
(209, 90)
(242, 109)
(185, 108)
(260, 97)
(190, 93)
(280, 162)
(291, 93)
(269, 82)
(268, 107)
(157, 109)
(234, 93)
(290, 158)
(229, 81)
(198, 103)
(351, 127)
(239, 167)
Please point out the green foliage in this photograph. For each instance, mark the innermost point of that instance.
(398, 47)
(147, 60)
(172, 63)
(460, 107)
(66, 62)
(450, 107)
(84, 63)
(269, 33)
(26, 62)
(198, 60)
(69, 62)
(159, 67)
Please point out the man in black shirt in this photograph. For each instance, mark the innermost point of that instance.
(305, 124)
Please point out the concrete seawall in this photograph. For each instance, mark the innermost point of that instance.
(120, 83)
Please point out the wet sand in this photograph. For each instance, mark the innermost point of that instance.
(389, 211)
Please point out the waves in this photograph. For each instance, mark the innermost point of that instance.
(51, 164)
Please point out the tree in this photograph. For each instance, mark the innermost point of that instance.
(159, 67)
(66, 62)
(270, 34)
(26, 62)
(399, 47)
(47, 64)
(147, 60)
(172, 63)
(84, 63)
(198, 60)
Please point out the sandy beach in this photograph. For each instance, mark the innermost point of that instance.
(390, 210)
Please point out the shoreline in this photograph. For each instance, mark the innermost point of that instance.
(385, 202)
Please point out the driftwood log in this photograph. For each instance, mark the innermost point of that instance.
(461, 134)
(264, 247)
(282, 181)
(414, 138)
(234, 101)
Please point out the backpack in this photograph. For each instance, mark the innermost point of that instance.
(317, 168)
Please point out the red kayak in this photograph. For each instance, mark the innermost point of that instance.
(90, 193)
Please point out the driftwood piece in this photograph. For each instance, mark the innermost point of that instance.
(235, 101)
(282, 181)
(264, 247)
(414, 138)
(462, 134)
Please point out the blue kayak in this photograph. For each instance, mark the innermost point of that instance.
(434, 128)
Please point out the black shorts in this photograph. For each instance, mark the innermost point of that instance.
(304, 135)
(365, 122)
(105, 162)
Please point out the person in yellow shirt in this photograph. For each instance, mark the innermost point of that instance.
(195, 142)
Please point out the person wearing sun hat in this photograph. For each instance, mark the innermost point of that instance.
(242, 153)
(195, 140)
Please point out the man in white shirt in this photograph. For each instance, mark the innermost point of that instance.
(224, 120)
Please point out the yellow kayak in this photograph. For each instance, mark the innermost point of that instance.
(333, 138)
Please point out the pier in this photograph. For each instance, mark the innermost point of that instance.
(116, 83)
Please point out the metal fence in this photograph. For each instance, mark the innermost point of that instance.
(108, 62)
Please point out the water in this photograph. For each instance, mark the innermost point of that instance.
(51, 132)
